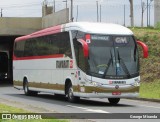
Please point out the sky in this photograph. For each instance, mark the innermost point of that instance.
(112, 11)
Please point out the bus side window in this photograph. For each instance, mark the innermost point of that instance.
(29, 48)
(81, 62)
(65, 46)
(19, 49)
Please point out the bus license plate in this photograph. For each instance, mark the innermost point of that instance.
(116, 93)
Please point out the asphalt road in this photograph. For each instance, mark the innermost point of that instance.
(47, 103)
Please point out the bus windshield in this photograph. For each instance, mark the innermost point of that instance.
(114, 57)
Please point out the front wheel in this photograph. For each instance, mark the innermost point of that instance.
(70, 95)
(113, 101)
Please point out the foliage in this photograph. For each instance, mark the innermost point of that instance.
(150, 67)
(158, 25)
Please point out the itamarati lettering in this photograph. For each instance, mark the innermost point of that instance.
(62, 64)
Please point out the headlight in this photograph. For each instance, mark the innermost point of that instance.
(136, 82)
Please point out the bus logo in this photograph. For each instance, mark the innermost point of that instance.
(121, 40)
(116, 87)
(88, 41)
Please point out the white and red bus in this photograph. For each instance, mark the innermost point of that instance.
(79, 59)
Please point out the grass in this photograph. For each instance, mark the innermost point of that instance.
(10, 109)
(150, 90)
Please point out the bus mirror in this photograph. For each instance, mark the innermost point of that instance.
(85, 47)
(144, 47)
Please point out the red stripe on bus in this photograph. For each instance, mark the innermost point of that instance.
(38, 57)
(47, 31)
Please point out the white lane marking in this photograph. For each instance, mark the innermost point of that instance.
(144, 105)
(87, 109)
(149, 106)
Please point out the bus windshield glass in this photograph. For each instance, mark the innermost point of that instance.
(114, 57)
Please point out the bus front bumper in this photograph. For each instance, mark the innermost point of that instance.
(107, 95)
(108, 92)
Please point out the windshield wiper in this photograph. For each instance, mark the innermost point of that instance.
(108, 64)
(111, 57)
(121, 62)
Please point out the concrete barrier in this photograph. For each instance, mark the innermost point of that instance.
(19, 25)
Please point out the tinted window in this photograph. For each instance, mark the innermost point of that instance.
(81, 60)
(47, 45)
(19, 48)
(113, 57)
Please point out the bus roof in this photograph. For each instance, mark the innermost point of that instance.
(88, 27)
(99, 28)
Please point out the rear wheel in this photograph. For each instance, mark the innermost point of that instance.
(113, 101)
(70, 95)
(26, 89)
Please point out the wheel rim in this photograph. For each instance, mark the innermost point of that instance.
(26, 88)
(70, 94)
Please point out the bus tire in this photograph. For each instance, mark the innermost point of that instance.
(27, 92)
(113, 101)
(71, 98)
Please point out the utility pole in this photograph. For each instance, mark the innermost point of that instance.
(72, 11)
(147, 13)
(150, 12)
(100, 13)
(131, 13)
(65, 2)
(77, 14)
(143, 9)
(66, 10)
(97, 12)
(1, 12)
(124, 15)
(54, 9)
(149, 7)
